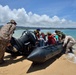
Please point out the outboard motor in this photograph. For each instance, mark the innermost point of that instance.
(27, 37)
(21, 43)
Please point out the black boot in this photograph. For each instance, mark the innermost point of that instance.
(71, 51)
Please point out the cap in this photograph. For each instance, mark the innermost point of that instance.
(56, 31)
(38, 29)
(13, 22)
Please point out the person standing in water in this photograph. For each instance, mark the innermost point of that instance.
(68, 42)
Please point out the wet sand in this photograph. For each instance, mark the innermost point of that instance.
(58, 65)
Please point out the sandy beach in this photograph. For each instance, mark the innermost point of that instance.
(21, 66)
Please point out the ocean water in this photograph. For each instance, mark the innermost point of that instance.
(71, 57)
(71, 32)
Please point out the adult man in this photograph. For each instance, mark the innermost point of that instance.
(6, 33)
(68, 42)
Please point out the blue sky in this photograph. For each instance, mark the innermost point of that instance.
(59, 9)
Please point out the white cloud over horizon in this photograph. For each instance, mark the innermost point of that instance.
(31, 19)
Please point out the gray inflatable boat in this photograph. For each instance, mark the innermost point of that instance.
(41, 54)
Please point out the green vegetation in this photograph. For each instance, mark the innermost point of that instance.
(21, 27)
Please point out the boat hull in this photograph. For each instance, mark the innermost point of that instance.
(42, 54)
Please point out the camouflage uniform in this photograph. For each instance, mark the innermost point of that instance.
(6, 33)
(3, 45)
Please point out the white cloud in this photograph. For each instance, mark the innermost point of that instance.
(29, 19)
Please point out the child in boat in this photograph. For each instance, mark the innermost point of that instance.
(51, 39)
(60, 34)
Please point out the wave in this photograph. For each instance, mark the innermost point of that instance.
(72, 56)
